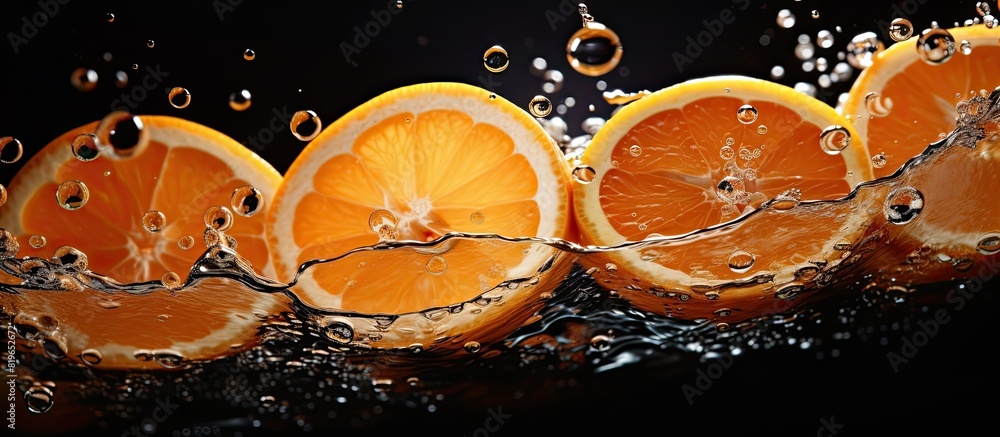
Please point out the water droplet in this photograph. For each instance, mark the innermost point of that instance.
(935, 46)
(834, 139)
(989, 244)
(38, 399)
(247, 200)
(824, 39)
(966, 47)
(746, 114)
(495, 59)
(983, 8)
(110, 17)
(584, 174)
(37, 241)
(900, 29)
(91, 357)
(477, 218)
(750, 174)
(179, 97)
(600, 342)
(493, 96)
(83, 79)
(306, 125)
(594, 50)
(249, 54)
(762, 129)
(635, 150)
(337, 329)
(240, 100)
(727, 153)
(154, 221)
(383, 222)
(70, 257)
(879, 160)
(171, 280)
(815, 13)
(212, 237)
(72, 195)
(876, 105)
(436, 266)
(399, 4)
(862, 49)
(8, 245)
(218, 218)
(473, 347)
(85, 147)
(540, 106)
(10, 150)
(731, 189)
(186, 242)
(121, 135)
(785, 19)
(903, 204)
(150, 43)
(740, 261)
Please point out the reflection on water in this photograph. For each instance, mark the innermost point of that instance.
(787, 275)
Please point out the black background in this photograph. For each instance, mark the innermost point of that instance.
(949, 386)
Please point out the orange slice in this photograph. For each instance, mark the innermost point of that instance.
(901, 103)
(706, 151)
(178, 168)
(417, 163)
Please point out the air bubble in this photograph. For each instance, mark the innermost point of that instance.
(966, 47)
(121, 135)
(37, 241)
(540, 106)
(10, 150)
(862, 49)
(903, 204)
(900, 29)
(83, 79)
(746, 114)
(731, 189)
(834, 139)
(179, 97)
(249, 54)
(635, 150)
(247, 200)
(935, 46)
(72, 195)
(39, 399)
(171, 280)
(879, 160)
(436, 266)
(302, 122)
(594, 49)
(186, 242)
(876, 105)
(240, 100)
(154, 221)
(472, 347)
(740, 261)
(495, 59)
(727, 153)
(85, 147)
(477, 218)
(383, 222)
(218, 218)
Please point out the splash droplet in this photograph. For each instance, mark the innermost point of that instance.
(594, 49)
(85, 147)
(154, 221)
(247, 200)
(249, 54)
(186, 242)
(10, 150)
(306, 125)
(477, 218)
(218, 218)
(727, 153)
(179, 97)
(37, 241)
(495, 59)
(879, 160)
(746, 114)
(240, 100)
(900, 29)
(862, 49)
(72, 195)
(39, 399)
(834, 139)
(903, 204)
(540, 106)
(935, 46)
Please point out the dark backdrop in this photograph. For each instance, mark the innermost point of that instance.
(300, 64)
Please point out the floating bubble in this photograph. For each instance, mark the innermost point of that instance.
(731, 189)
(594, 49)
(584, 174)
(249, 54)
(150, 43)
(935, 46)
(383, 222)
(824, 39)
(72, 195)
(903, 204)
(247, 200)
(154, 221)
(815, 13)
(900, 29)
(121, 135)
(399, 4)
(179, 97)
(10, 150)
(785, 19)
(879, 160)
(727, 153)
(85, 147)
(436, 266)
(83, 79)
(746, 114)
(762, 129)
(38, 399)
(862, 49)
(741, 261)
(834, 139)
(876, 105)
(121, 79)
(777, 72)
(635, 150)
(540, 106)
(302, 122)
(240, 100)
(109, 17)
(171, 280)
(477, 218)
(70, 257)
(37, 241)
(186, 242)
(495, 59)
(218, 218)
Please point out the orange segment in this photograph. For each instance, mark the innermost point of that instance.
(441, 158)
(913, 102)
(680, 160)
(184, 169)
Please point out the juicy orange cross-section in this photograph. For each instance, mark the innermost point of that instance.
(180, 169)
(900, 103)
(432, 159)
